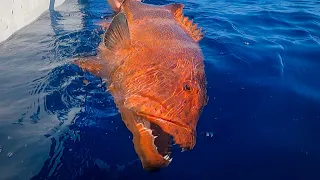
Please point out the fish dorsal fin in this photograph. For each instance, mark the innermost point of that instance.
(188, 25)
(118, 34)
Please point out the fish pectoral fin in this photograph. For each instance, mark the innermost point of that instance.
(118, 34)
(90, 64)
(191, 28)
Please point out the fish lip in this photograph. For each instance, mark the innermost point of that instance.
(156, 119)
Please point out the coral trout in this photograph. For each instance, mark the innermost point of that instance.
(153, 65)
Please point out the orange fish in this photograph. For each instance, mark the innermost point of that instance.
(153, 65)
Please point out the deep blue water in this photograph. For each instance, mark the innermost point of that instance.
(262, 122)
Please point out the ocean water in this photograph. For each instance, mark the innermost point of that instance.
(262, 61)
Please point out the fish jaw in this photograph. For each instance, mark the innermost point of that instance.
(146, 147)
(183, 136)
(152, 140)
(152, 131)
(144, 143)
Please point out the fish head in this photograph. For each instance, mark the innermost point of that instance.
(167, 107)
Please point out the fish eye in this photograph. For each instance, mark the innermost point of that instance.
(186, 87)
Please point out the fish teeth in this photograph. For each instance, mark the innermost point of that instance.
(167, 157)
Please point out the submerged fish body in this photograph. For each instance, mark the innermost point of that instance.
(154, 67)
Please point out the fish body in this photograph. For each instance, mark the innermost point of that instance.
(153, 65)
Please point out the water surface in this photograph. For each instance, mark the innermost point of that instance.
(262, 120)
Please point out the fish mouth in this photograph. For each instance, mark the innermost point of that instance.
(156, 139)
